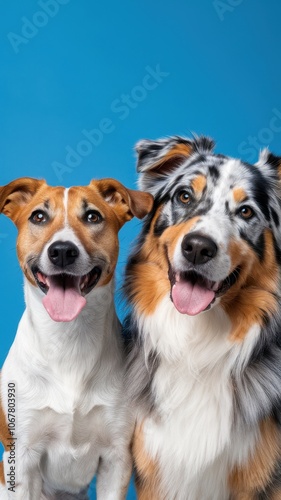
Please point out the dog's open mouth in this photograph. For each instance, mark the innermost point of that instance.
(65, 293)
(191, 293)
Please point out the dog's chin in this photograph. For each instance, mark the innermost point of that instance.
(192, 293)
(65, 293)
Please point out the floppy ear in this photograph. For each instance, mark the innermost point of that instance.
(16, 194)
(157, 159)
(126, 203)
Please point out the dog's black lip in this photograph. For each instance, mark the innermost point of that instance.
(228, 282)
(35, 270)
(93, 281)
(194, 277)
(93, 278)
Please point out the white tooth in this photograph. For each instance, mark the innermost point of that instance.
(216, 286)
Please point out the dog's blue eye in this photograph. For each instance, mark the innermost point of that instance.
(38, 217)
(246, 212)
(93, 217)
(184, 197)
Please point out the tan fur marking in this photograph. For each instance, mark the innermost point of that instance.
(2, 476)
(248, 479)
(198, 184)
(253, 294)
(173, 233)
(32, 238)
(153, 266)
(155, 276)
(179, 151)
(100, 239)
(147, 483)
(239, 195)
(17, 201)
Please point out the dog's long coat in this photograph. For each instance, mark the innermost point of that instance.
(203, 284)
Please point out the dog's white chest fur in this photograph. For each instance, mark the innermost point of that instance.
(76, 413)
(191, 430)
(197, 435)
(72, 448)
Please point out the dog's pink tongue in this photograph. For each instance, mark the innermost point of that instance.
(191, 298)
(63, 301)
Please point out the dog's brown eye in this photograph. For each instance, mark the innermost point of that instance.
(38, 217)
(246, 212)
(93, 216)
(184, 197)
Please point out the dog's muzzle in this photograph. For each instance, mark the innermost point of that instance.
(191, 291)
(65, 290)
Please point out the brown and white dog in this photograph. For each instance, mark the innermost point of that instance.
(204, 286)
(63, 377)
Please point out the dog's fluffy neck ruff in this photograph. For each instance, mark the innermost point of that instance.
(210, 329)
(194, 402)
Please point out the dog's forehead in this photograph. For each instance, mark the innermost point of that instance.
(216, 174)
(81, 195)
(234, 180)
(48, 196)
(65, 199)
(81, 198)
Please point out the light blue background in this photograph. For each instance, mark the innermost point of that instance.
(221, 76)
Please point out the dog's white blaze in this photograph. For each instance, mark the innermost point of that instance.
(195, 401)
(65, 234)
(65, 204)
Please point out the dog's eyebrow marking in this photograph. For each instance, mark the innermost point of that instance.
(47, 204)
(239, 195)
(85, 204)
(65, 204)
(198, 184)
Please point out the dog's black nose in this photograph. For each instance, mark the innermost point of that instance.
(63, 253)
(198, 249)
